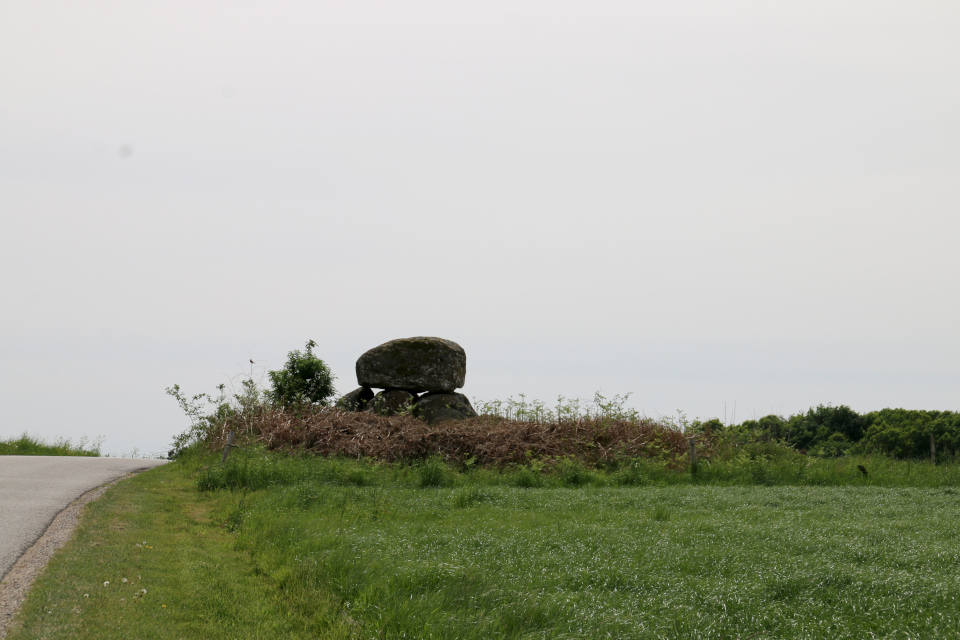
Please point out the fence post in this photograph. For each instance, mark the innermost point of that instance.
(226, 447)
(933, 450)
(693, 455)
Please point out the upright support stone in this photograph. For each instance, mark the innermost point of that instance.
(437, 407)
(356, 400)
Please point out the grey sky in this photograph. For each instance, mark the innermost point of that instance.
(697, 202)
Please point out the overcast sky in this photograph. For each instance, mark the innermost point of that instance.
(707, 204)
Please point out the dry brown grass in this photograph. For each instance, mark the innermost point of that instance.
(487, 440)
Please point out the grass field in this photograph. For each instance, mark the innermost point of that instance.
(339, 549)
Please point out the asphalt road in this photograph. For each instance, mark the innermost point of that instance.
(34, 489)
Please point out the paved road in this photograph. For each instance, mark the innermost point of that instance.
(34, 489)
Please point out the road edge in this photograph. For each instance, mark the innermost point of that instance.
(18, 580)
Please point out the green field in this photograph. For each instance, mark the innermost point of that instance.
(338, 549)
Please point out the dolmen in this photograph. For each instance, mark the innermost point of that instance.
(417, 375)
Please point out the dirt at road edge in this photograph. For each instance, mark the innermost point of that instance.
(17, 582)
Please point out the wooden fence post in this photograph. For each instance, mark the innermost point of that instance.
(693, 456)
(226, 447)
(933, 450)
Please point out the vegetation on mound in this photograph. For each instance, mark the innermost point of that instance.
(485, 440)
(27, 445)
(294, 416)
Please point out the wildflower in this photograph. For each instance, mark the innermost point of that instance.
(86, 595)
(106, 583)
(124, 580)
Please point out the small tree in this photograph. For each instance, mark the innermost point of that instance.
(304, 380)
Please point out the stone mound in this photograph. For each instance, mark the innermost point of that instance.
(406, 368)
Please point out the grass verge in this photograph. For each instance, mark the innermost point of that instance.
(27, 445)
(150, 560)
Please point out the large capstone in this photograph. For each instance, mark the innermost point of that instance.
(414, 364)
(438, 407)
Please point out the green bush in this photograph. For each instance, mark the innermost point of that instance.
(830, 432)
(304, 380)
(906, 433)
(817, 425)
(836, 445)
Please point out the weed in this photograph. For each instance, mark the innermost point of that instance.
(527, 478)
(468, 496)
(434, 473)
(661, 513)
(571, 473)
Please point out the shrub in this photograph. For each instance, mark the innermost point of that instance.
(833, 447)
(304, 380)
(207, 415)
(906, 433)
(817, 425)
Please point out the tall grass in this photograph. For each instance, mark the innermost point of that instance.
(27, 445)
(258, 468)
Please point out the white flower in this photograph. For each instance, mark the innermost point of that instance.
(106, 583)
